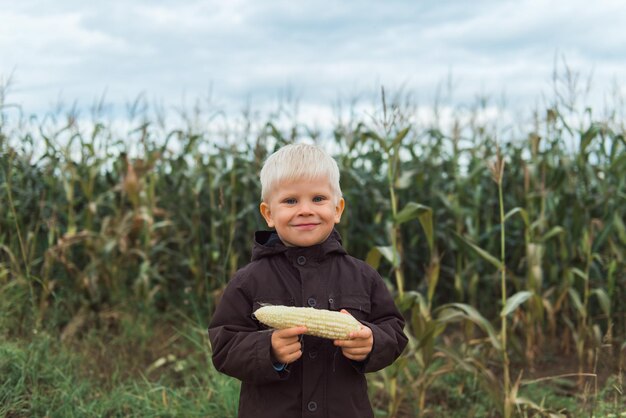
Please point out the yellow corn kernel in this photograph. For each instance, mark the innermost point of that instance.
(319, 322)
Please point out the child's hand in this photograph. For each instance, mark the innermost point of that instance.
(286, 347)
(359, 345)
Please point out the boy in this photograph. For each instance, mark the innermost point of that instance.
(284, 373)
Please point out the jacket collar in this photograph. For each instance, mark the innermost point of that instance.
(267, 244)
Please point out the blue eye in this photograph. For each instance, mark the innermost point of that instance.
(290, 201)
(319, 198)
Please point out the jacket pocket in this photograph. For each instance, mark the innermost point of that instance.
(359, 306)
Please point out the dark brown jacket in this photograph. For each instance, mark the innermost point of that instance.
(322, 383)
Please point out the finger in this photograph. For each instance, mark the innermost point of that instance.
(289, 347)
(363, 333)
(346, 343)
(290, 332)
(290, 358)
(353, 343)
(355, 354)
(357, 338)
(355, 358)
(287, 350)
(292, 348)
(357, 351)
(277, 340)
(285, 356)
(279, 343)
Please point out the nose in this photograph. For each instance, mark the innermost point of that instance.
(304, 209)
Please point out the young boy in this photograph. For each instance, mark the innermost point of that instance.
(284, 373)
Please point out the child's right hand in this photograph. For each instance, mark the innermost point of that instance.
(286, 347)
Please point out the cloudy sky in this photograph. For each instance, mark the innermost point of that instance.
(251, 51)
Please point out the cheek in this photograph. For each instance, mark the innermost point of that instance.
(280, 217)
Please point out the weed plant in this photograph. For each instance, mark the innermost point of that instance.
(115, 373)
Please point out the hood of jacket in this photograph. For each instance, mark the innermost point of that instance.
(267, 244)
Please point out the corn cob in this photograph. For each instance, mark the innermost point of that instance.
(319, 322)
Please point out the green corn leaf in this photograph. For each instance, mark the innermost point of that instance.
(467, 312)
(600, 239)
(198, 186)
(409, 300)
(427, 335)
(411, 211)
(522, 213)
(424, 214)
(619, 226)
(610, 278)
(618, 162)
(426, 220)
(417, 299)
(588, 136)
(374, 256)
(571, 326)
(432, 277)
(552, 233)
(375, 137)
(482, 253)
(422, 305)
(575, 297)
(468, 366)
(597, 333)
(578, 272)
(514, 301)
(400, 136)
(390, 255)
(521, 401)
(603, 299)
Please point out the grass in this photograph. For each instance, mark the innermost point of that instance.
(143, 368)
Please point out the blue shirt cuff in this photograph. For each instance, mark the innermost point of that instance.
(279, 367)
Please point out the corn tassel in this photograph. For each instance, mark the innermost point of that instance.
(319, 322)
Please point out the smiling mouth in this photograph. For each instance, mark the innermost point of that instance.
(305, 226)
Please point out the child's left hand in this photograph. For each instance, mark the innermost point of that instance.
(359, 345)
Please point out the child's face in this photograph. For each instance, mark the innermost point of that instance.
(303, 212)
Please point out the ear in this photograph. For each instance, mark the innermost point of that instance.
(264, 208)
(341, 205)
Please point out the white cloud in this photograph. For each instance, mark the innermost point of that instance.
(28, 35)
(250, 50)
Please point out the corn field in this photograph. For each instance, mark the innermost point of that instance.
(504, 246)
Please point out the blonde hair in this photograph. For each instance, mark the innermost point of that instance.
(297, 162)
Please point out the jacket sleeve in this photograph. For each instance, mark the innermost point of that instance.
(239, 347)
(387, 325)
